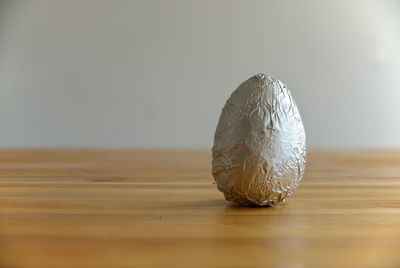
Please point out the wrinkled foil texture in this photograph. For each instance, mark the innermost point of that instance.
(259, 152)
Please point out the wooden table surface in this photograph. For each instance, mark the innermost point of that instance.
(68, 208)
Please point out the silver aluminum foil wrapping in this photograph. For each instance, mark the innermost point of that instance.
(259, 151)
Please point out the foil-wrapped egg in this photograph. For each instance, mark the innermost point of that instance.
(259, 151)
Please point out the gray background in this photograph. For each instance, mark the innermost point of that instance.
(151, 74)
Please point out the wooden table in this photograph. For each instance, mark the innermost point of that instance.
(68, 208)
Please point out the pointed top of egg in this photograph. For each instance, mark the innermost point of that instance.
(263, 77)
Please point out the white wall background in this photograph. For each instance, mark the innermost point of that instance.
(157, 73)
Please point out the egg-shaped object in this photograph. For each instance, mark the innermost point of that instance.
(259, 152)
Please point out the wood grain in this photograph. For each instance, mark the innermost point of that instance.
(102, 208)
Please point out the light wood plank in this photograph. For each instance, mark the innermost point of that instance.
(124, 208)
